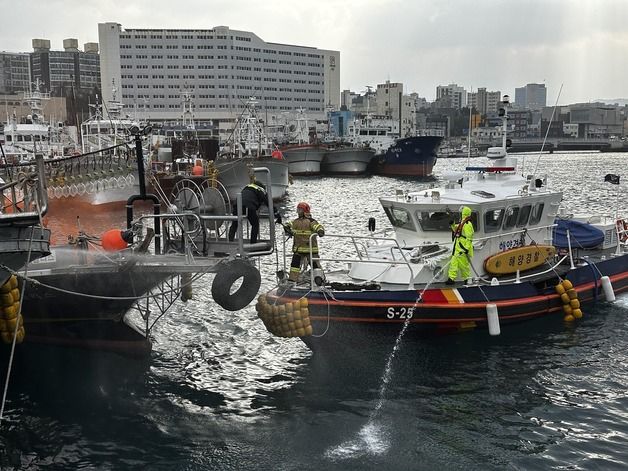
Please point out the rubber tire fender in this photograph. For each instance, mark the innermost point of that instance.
(227, 275)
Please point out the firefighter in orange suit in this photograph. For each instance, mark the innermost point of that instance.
(301, 229)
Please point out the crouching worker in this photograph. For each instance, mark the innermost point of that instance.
(254, 196)
(301, 229)
(462, 252)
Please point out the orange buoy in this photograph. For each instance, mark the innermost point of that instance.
(277, 154)
(197, 170)
(112, 240)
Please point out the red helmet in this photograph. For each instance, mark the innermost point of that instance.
(304, 206)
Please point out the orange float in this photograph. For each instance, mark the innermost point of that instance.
(112, 240)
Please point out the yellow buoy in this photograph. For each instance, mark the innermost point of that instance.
(301, 332)
(13, 281)
(565, 298)
(20, 335)
(6, 299)
(11, 323)
(15, 293)
(289, 307)
(10, 312)
(303, 302)
(567, 285)
(572, 294)
(577, 313)
(569, 318)
(308, 330)
(574, 303)
(559, 289)
(567, 309)
(7, 337)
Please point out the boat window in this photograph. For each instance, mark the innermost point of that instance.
(512, 213)
(522, 220)
(493, 220)
(28, 138)
(399, 217)
(537, 212)
(436, 220)
(441, 220)
(9, 138)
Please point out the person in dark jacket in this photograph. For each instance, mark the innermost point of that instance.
(253, 197)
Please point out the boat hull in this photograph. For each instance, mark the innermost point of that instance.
(94, 318)
(410, 156)
(347, 161)
(304, 160)
(235, 174)
(356, 318)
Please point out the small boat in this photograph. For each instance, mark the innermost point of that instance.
(531, 260)
(346, 160)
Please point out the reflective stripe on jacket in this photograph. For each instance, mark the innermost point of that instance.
(302, 228)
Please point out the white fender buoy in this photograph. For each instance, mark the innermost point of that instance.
(608, 289)
(493, 319)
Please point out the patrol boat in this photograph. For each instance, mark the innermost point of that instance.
(531, 260)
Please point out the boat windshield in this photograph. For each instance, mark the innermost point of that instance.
(399, 217)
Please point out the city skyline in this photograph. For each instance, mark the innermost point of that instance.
(423, 44)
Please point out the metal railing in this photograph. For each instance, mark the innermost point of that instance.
(353, 239)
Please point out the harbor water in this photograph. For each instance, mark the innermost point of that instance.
(219, 392)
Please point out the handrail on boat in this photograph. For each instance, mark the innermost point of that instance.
(353, 240)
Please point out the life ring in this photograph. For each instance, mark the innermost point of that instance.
(225, 278)
(622, 230)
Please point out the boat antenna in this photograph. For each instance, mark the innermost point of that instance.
(547, 130)
(469, 134)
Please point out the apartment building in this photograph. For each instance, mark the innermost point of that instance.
(457, 95)
(57, 70)
(221, 68)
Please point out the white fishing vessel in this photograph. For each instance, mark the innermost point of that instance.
(303, 152)
(248, 147)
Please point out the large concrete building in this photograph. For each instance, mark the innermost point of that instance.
(14, 73)
(483, 101)
(58, 70)
(221, 68)
(457, 95)
(533, 96)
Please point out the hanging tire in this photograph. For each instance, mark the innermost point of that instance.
(227, 276)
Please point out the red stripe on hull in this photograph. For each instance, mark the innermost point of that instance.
(403, 170)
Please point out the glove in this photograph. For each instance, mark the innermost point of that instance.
(287, 230)
(321, 233)
(277, 216)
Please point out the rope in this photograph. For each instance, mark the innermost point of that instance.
(91, 296)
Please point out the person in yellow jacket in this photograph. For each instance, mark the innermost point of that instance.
(301, 229)
(462, 252)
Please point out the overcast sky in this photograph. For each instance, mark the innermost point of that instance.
(497, 44)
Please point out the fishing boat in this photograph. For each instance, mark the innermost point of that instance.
(531, 260)
(107, 292)
(249, 147)
(37, 134)
(303, 152)
(412, 156)
(346, 159)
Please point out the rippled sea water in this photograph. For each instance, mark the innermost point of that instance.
(219, 392)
